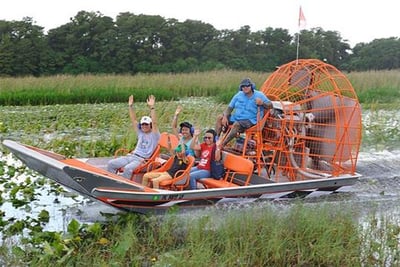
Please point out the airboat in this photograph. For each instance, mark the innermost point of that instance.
(308, 142)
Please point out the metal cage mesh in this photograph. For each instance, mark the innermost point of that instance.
(315, 126)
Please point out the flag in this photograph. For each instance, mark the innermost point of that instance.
(302, 19)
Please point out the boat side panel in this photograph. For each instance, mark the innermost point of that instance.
(186, 200)
(223, 192)
(90, 180)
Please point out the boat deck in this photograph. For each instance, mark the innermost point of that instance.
(239, 179)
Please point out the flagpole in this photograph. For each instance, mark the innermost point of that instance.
(302, 21)
(298, 45)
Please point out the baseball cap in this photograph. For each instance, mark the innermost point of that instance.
(145, 119)
(178, 149)
(246, 82)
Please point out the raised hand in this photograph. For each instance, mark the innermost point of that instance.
(196, 132)
(151, 100)
(178, 110)
(130, 101)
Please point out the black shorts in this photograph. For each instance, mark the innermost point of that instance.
(244, 124)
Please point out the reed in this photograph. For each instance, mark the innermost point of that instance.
(64, 89)
(377, 87)
(258, 236)
(372, 87)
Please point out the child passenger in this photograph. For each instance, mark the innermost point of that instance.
(180, 163)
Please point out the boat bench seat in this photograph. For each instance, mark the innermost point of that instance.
(214, 183)
(235, 166)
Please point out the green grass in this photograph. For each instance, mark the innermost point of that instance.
(296, 236)
(265, 235)
(110, 89)
(372, 87)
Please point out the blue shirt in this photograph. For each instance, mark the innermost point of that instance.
(189, 150)
(245, 108)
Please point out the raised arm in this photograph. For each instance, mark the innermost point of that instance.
(170, 148)
(218, 155)
(132, 114)
(194, 145)
(151, 101)
(174, 125)
(183, 146)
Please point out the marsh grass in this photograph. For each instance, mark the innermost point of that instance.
(381, 129)
(259, 236)
(376, 87)
(66, 89)
(380, 238)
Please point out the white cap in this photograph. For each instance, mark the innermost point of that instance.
(145, 119)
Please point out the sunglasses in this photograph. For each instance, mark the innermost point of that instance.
(146, 124)
(246, 85)
(207, 137)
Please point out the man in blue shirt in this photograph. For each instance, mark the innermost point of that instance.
(242, 110)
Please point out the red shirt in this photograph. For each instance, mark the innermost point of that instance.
(205, 157)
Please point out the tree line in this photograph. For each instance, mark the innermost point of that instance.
(96, 44)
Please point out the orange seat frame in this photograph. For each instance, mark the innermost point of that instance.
(234, 165)
(254, 133)
(153, 161)
(180, 180)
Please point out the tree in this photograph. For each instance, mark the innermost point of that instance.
(93, 43)
(379, 54)
(86, 44)
(140, 48)
(22, 47)
(324, 45)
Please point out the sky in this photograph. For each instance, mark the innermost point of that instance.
(356, 21)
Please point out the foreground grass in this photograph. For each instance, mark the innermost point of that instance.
(266, 235)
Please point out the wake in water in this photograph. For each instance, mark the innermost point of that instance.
(384, 164)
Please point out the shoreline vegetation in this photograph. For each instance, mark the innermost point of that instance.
(373, 87)
(273, 234)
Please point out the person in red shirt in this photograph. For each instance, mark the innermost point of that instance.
(203, 151)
